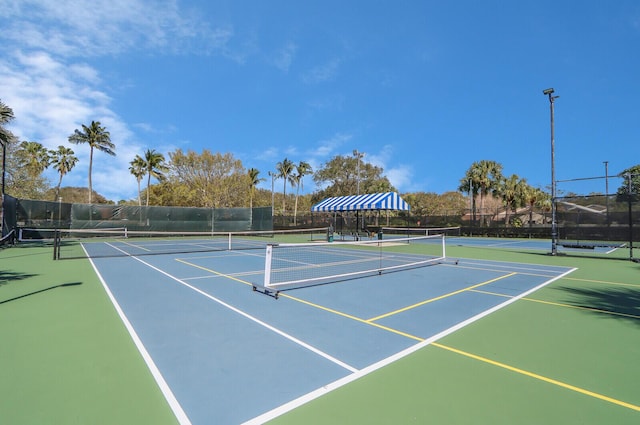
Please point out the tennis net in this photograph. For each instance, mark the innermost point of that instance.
(290, 266)
(422, 231)
(82, 243)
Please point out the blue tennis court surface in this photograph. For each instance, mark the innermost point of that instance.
(225, 354)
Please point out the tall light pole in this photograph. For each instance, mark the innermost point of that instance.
(554, 224)
(359, 156)
(4, 160)
(4, 163)
(273, 176)
(606, 187)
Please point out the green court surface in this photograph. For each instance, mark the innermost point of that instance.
(565, 354)
(65, 356)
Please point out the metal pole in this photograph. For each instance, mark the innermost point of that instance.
(606, 185)
(357, 173)
(4, 162)
(60, 212)
(630, 217)
(358, 155)
(272, 197)
(554, 223)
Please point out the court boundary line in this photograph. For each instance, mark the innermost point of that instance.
(293, 404)
(564, 305)
(309, 303)
(543, 270)
(606, 282)
(171, 399)
(440, 297)
(538, 377)
(254, 319)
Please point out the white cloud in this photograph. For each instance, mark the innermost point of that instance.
(401, 177)
(103, 27)
(50, 99)
(284, 58)
(52, 92)
(328, 147)
(322, 73)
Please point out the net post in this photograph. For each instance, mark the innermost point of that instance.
(267, 265)
(56, 254)
(229, 244)
(444, 249)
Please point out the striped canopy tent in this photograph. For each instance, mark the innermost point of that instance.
(389, 201)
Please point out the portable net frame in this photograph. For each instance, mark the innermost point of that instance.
(89, 243)
(8, 240)
(291, 266)
(600, 220)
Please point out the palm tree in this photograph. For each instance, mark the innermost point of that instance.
(33, 157)
(254, 180)
(511, 190)
(138, 170)
(63, 161)
(533, 196)
(97, 137)
(631, 184)
(6, 115)
(284, 168)
(466, 185)
(484, 176)
(302, 169)
(154, 167)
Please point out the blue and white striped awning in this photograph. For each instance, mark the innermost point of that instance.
(374, 201)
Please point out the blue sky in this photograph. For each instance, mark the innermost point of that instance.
(424, 88)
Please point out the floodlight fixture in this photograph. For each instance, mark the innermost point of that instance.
(548, 91)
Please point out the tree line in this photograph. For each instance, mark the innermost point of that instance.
(208, 179)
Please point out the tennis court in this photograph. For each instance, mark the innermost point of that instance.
(222, 353)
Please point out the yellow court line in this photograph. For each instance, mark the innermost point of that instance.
(357, 319)
(577, 307)
(469, 288)
(329, 310)
(603, 281)
(454, 350)
(539, 377)
(597, 310)
(214, 272)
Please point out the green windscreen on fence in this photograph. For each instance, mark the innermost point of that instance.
(34, 214)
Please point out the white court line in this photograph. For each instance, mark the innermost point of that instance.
(521, 268)
(511, 243)
(252, 318)
(278, 411)
(175, 406)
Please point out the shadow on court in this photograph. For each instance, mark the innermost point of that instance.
(624, 303)
(7, 276)
(62, 285)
